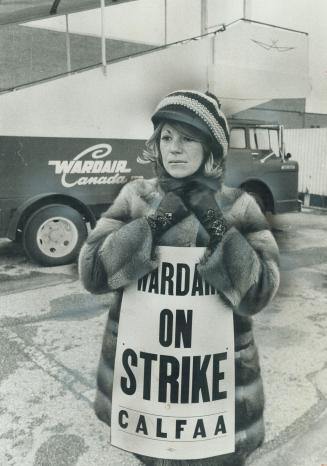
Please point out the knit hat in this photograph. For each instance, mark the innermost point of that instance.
(198, 110)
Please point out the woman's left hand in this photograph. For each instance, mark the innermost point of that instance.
(200, 199)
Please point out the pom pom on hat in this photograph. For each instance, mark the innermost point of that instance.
(198, 110)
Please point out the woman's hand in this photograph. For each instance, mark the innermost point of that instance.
(200, 199)
(170, 211)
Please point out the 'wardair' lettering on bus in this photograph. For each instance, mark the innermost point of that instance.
(90, 167)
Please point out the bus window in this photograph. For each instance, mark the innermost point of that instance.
(274, 141)
(262, 138)
(253, 144)
(237, 139)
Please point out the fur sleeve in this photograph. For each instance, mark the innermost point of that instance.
(244, 266)
(118, 250)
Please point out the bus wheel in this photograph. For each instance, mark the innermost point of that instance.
(54, 234)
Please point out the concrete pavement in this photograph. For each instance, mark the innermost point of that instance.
(291, 335)
(50, 337)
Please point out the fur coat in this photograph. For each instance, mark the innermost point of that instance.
(243, 268)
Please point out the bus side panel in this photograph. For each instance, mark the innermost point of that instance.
(92, 170)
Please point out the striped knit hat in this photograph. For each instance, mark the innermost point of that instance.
(198, 110)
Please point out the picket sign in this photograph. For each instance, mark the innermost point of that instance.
(174, 388)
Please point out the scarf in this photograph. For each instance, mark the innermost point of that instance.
(168, 183)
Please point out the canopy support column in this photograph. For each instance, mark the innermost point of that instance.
(204, 16)
(103, 38)
(247, 9)
(165, 19)
(69, 62)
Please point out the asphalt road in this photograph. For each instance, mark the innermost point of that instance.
(50, 337)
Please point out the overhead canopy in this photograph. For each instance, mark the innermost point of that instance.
(256, 62)
(19, 12)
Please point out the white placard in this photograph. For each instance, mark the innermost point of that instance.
(174, 390)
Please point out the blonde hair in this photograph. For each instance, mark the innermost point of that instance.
(213, 167)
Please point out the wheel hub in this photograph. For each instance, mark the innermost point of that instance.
(57, 237)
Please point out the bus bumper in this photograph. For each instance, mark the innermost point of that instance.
(289, 205)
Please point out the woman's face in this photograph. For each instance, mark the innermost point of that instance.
(181, 155)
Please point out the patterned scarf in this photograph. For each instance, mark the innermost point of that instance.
(168, 183)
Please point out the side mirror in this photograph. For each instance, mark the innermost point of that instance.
(288, 156)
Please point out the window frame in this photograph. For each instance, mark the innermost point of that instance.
(239, 128)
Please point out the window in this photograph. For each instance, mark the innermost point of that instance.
(237, 139)
(262, 136)
(264, 139)
(58, 45)
(253, 144)
(274, 141)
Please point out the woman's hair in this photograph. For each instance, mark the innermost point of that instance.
(212, 167)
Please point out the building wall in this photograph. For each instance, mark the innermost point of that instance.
(288, 112)
(308, 147)
(315, 120)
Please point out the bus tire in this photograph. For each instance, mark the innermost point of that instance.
(54, 234)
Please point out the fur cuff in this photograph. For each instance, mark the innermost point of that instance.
(240, 271)
(126, 253)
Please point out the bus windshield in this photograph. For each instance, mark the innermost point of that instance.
(265, 139)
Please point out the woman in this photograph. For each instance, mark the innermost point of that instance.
(187, 205)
